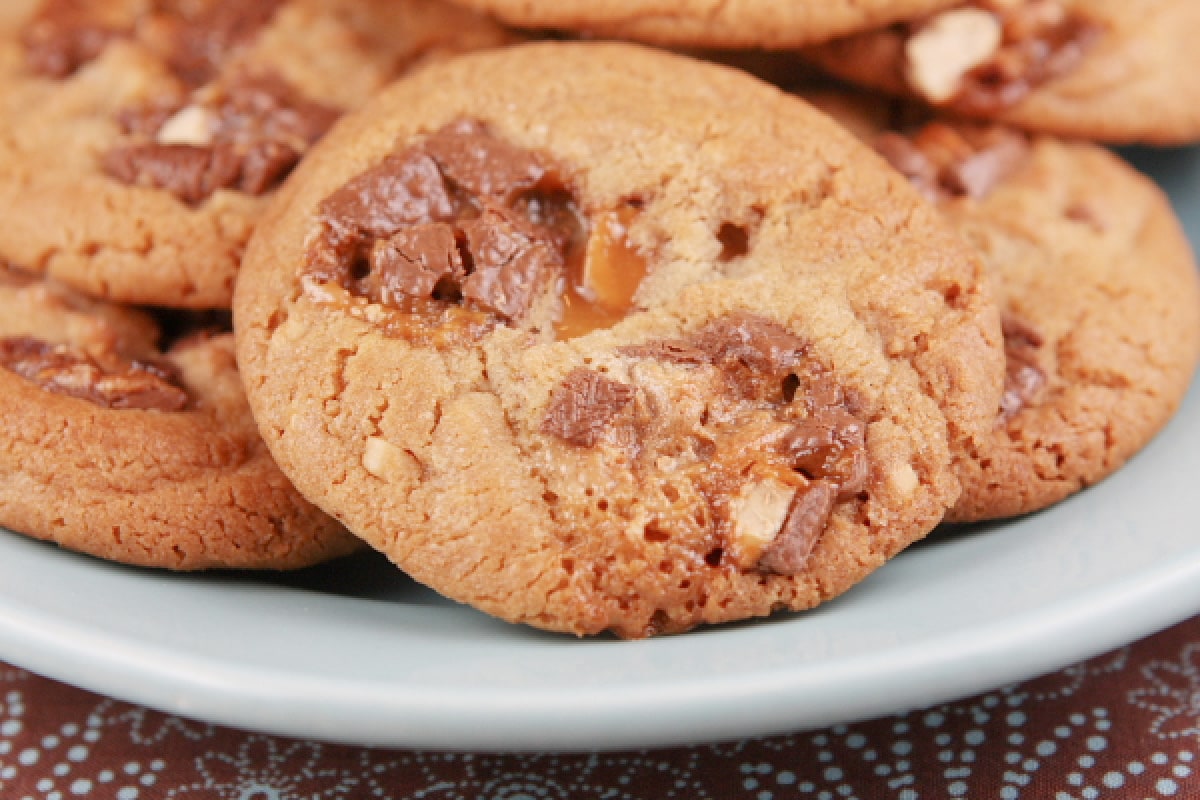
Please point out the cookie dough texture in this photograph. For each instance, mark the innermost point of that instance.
(1135, 83)
(442, 457)
(709, 23)
(66, 218)
(182, 490)
(1089, 259)
(1090, 254)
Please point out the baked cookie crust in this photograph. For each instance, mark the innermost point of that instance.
(630, 472)
(111, 447)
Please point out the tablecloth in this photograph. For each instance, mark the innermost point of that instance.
(1122, 725)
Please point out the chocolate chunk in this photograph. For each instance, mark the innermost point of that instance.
(1024, 379)
(943, 161)
(510, 262)
(1023, 382)
(412, 262)
(505, 225)
(805, 523)
(264, 107)
(678, 352)
(485, 166)
(405, 189)
(830, 446)
(265, 164)
(121, 385)
(584, 406)
(756, 343)
(977, 175)
(261, 128)
(908, 159)
(190, 173)
(1042, 41)
(200, 36)
(63, 36)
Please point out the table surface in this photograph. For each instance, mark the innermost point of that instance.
(1123, 725)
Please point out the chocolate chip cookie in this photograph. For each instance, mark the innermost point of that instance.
(1108, 70)
(751, 23)
(594, 337)
(1099, 289)
(141, 139)
(113, 447)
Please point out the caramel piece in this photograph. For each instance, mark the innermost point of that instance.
(584, 406)
(122, 385)
(600, 287)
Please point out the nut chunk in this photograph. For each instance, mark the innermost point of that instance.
(584, 406)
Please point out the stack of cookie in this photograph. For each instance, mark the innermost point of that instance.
(591, 336)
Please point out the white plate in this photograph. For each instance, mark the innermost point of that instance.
(354, 652)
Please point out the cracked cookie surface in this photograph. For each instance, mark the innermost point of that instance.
(710, 23)
(1099, 292)
(592, 363)
(141, 139)
(1106, 70)
(111, 447)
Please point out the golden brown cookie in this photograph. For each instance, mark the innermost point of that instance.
(111, 447)
(1099, 289)
(1110, 70)
(140, 139)
(704, 23)
(596, 337)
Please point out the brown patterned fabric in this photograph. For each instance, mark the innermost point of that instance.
(1124, 725)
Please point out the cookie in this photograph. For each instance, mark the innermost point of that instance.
(111, 447)
(1107, 70)
(594, 337)
(699, 23)
(1100, 296)
(141, 139)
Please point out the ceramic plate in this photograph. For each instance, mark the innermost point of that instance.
(354, 652)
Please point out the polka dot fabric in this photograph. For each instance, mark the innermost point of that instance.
(1124, 725)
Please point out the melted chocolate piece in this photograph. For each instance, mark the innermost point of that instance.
(817, 431)
(810, 511)
(190, 173)
(199, 41)
(459, 218)
(1041, 42)
(483, 165)
(121, 384)
(944, 162)
(261, 128)
(63, 36)
(1024, 379)
(584, 406)
(509, 258)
